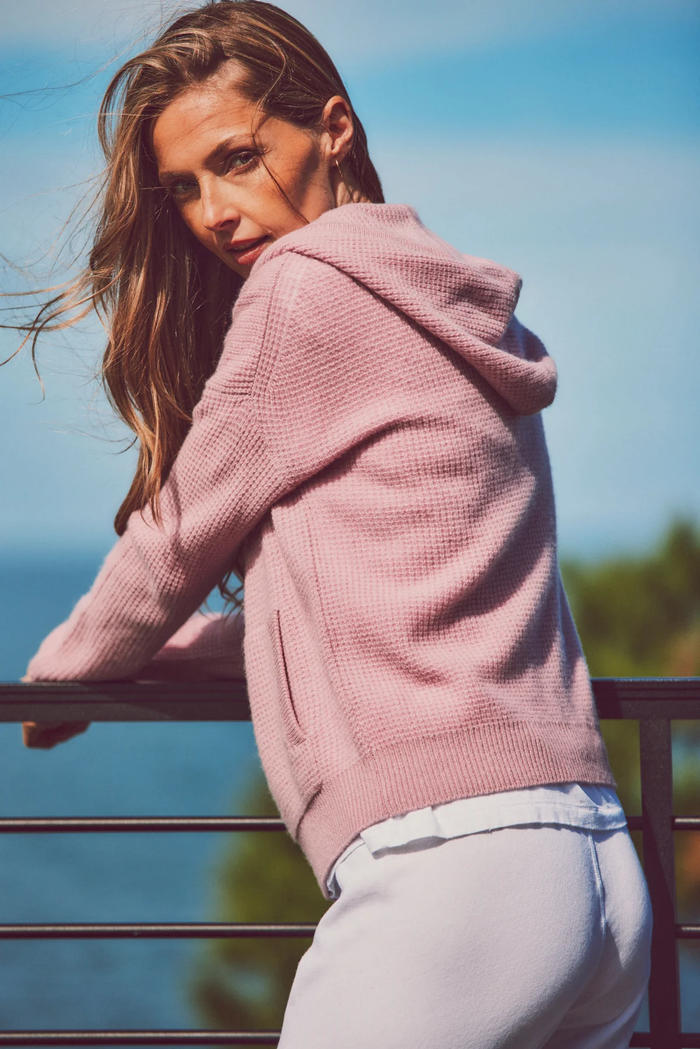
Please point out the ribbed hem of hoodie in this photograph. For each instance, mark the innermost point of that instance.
(438, 769)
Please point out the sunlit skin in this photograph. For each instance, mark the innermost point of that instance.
(220, 162)
(219, 159)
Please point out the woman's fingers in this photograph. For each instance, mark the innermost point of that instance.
(46, 734)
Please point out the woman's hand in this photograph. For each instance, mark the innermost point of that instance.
(46, 734)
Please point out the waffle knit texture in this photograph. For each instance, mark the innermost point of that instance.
(369, 454)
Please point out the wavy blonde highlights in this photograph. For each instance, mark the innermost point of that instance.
(164, 299)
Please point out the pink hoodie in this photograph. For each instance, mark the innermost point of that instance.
(369, 454)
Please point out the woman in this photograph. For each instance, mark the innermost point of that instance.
(366, 451)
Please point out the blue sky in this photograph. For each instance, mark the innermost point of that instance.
(560, 139)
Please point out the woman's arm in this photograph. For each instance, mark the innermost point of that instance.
(223, 481)
(287, 400)
(158, 574)
(209, 647)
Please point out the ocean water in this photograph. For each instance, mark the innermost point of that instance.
(148, 769)
(160, 769)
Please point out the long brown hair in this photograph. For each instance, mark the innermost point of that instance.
(165, 300)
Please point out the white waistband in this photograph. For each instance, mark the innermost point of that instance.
(585, 806)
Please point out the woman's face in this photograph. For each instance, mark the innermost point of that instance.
(217, 159)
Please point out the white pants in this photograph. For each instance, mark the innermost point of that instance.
(520, 938)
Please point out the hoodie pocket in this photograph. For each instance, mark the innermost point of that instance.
(299, 746)
(293, 730)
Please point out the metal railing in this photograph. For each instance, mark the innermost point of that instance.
(654, 702)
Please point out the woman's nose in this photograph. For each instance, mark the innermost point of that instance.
(218, 210)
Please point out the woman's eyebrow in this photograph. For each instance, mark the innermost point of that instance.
(241, 141)
(166, 177)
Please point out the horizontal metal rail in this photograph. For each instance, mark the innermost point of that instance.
(188, 931)
(677, 823)
(208, 824)
(125, 701)
(654, 702)
(640, 1039)
(643, 1040)
(140, 1038)
(636, 699)
(157, 931)
(136, 824)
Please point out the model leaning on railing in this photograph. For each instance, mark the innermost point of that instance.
(361, 443)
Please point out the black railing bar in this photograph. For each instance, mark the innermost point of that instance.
(129, 824)
(677, 822)
(191, 930)
(174, 824)
(656, 775)
(686, 1040)
(644, 698)
(633, 698)
(140, 1037)
(686, 822)
(640, 1039)
(124, 701)
(155, 930)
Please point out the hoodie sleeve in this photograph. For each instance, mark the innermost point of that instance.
(209, 646)
(222, 483)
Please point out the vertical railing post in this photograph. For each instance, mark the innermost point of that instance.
(659, 867)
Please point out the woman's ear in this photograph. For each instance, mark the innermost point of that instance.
(338, 128)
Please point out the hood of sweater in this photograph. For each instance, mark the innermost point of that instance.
(465, 301)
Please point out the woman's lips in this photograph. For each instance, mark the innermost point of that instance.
(249, 251)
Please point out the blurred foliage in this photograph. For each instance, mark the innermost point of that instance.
(640, 617)
(637, 617)
(262, 877)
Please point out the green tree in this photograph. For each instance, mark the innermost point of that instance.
(640, 617)
(263, 877)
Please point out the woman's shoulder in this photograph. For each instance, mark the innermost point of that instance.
(288, 286)
(278, 307)
(344, 246)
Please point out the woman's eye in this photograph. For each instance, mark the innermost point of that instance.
(241, 160)
(181, 188)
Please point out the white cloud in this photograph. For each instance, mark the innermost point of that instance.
(363, 30)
